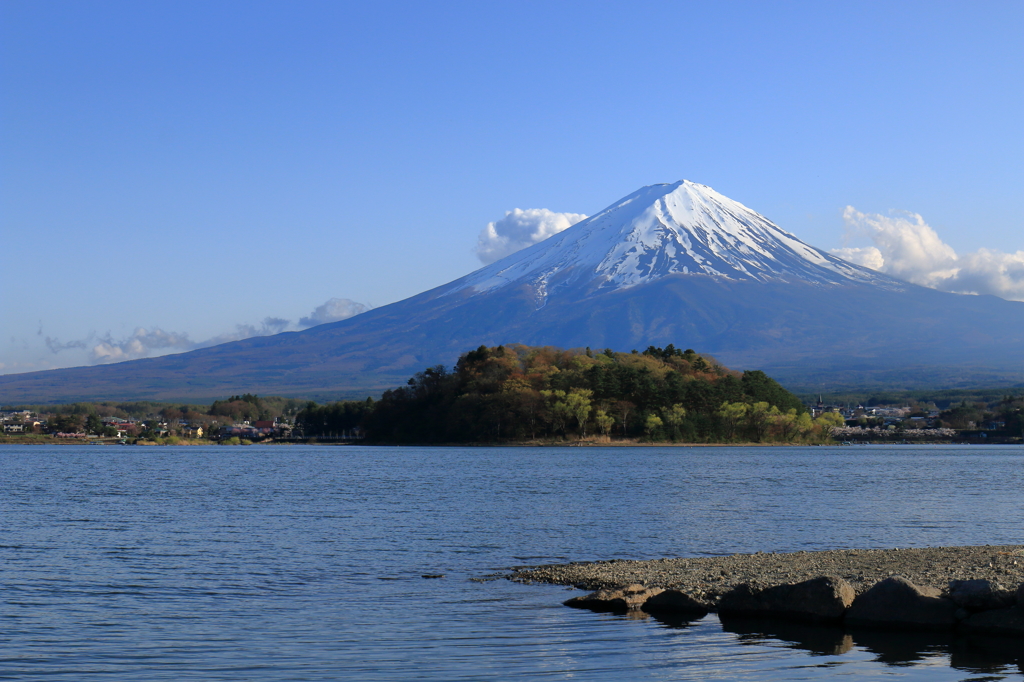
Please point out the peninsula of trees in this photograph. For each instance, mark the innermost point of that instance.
(521, 393)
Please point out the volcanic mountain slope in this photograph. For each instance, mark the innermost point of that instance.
(662, 230)
(676, 263)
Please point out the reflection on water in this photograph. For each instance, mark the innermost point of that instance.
(822, 640)
(671, 620)
(987, 655)
(904, 648)
(971, 654)
(307, 563)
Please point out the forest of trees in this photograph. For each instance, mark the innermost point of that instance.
(522, 393)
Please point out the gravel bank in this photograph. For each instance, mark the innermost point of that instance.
(707, 578)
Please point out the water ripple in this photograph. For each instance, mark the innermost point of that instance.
(307, 563)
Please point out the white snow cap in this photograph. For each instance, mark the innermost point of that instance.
(660, 230)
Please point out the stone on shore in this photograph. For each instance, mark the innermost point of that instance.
(709, 577)
(617, 599)
(768, 587)
(675, 602)
(979, 595)
(897, 603)
(820, 599)
(1005, 621)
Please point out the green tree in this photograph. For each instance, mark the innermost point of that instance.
(557, 410)
(674, 416)
(759, 416)
(577, 404)
(93, 425)
(759, 387)
(651, 425)
(604, 422)
(804, 425)
(67, 423)
(732, 416)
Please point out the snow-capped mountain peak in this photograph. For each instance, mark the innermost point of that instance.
(668, 229)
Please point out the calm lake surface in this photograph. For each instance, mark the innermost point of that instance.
(306, 563)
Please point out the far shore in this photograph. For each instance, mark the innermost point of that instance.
(631, 443)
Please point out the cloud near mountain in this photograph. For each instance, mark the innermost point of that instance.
(139, 345)
(144, 343)
(906, 247)
(332, 311)
(521, 228)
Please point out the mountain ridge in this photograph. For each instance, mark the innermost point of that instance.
(761, 299)
(660, 230)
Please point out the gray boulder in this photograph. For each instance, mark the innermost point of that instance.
(1007, 622)
(675, 601)
(742, 600)
(617, 599)
(818, 600)
(979, 595)
(897, 603)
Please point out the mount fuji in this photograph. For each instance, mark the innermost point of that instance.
(672, 263)
(663, 230)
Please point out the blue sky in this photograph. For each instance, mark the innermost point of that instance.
(194, 168)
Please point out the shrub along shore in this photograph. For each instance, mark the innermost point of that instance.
(972, 589)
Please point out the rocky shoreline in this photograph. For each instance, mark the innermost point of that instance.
(977, 589)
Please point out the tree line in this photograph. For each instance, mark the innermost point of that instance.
(523, 393)
(87, 417)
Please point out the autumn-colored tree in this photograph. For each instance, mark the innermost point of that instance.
(827, 423)
(784, 425)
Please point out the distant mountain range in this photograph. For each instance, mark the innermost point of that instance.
(675, 263)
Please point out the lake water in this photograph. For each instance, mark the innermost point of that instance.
(306, 563)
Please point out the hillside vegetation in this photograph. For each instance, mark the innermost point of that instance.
(523, 393)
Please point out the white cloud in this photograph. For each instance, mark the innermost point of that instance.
(908, 248)
(332, 311)
(992, 272)
(868, 256)
(519, 229)
(139, 345)
(143, 343)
